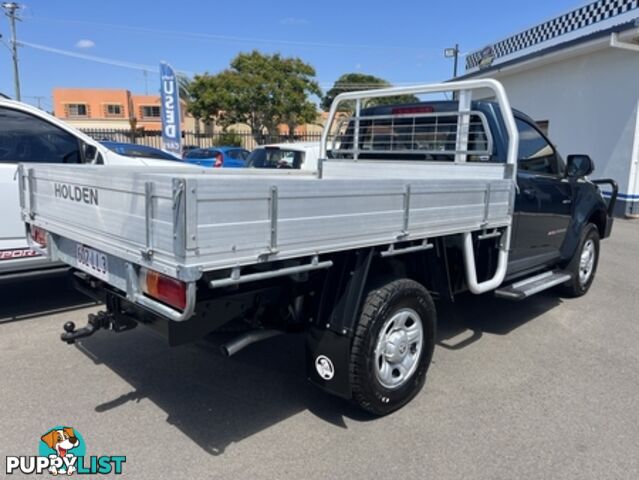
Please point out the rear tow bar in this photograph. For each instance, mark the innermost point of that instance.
(102, 319)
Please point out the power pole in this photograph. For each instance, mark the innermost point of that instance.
(10, 9)
(456, 60)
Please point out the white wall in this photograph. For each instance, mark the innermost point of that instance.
(591, 103)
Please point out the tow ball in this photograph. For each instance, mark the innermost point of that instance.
(102, 319)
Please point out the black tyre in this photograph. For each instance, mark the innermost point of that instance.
(583, 264)
(393, 346)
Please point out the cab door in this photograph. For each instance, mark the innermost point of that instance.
(543, 204)
(25, 138)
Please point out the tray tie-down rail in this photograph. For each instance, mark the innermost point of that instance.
(236, 277)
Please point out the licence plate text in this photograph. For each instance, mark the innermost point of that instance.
(93, 262)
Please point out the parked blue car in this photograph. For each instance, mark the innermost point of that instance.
(140, 151)
(217, 157)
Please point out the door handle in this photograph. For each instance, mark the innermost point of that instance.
(566, 201)
(530, 192)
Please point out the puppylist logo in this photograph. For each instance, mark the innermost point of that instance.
(62, 451)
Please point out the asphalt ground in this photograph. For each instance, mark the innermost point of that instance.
(547, 388)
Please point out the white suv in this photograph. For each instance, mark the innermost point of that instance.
(29, 135)
(300, 155)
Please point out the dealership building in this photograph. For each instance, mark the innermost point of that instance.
(577, 76)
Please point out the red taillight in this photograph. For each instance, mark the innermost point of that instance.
(409, 110)
(39, 236)
(219, 161)
(165, 289)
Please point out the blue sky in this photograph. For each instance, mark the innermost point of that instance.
(399, 41)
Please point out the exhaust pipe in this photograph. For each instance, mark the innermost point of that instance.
(246, 339)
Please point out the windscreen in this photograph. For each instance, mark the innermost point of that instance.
(201, 154)
(145, 153)
(275, 158)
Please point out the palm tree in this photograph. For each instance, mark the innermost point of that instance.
(184, 85)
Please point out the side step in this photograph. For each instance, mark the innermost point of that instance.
(531, 285)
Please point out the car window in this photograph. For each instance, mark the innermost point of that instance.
(275, 158)
(202, 154)
(142, 152)
(26, 138)
(238, 154)
(234, 154)
(536, 154)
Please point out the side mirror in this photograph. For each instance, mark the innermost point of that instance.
(579, 166)
(90, 153)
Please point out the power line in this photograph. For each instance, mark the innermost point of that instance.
(225, 38)
(366, 86)
(10, 9)
(39, 99)
(94, 58)
(147, 69)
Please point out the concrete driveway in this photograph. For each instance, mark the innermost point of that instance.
(543, 389)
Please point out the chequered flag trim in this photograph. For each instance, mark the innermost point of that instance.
(582, 17)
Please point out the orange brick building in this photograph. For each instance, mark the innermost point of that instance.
(107, 108)
(98, 108)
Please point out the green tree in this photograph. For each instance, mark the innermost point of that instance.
(350, 82)
(296, 108)
(185, 84)
(229, 138)
(259, 90)
(205, 100)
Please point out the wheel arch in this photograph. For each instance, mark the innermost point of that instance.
(429, 268)
(339, 304)
(599, 218)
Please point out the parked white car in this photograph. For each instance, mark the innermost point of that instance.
(300, 155)
(30, 135)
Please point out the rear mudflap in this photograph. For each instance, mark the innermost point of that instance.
(327, 359)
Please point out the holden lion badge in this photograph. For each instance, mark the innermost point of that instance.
(324, 367)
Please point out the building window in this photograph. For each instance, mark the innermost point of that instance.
(113, 110)
(77, 110)
(150, 111)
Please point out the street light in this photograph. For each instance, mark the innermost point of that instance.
(453, 53)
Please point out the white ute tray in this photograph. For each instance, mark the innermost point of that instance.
(214, 220)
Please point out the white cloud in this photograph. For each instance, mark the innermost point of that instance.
(85, 44)
(294, 21)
